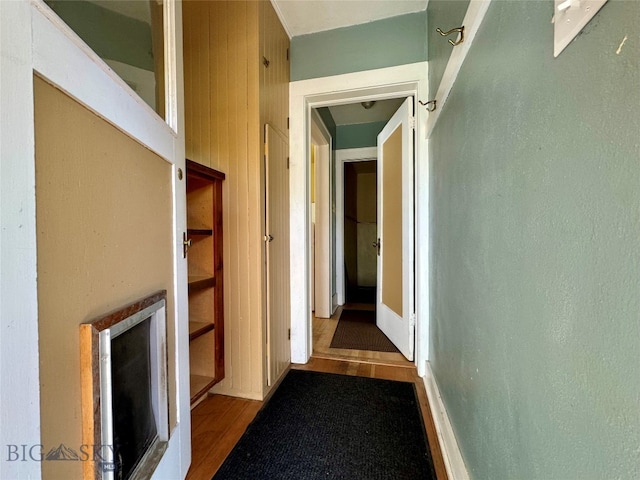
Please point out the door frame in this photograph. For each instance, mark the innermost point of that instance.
(342, 158)
(321, 138)
(35, 41)
(304, 95)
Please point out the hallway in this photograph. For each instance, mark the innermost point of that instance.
(219, 421)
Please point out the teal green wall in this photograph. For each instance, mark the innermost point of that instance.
(109, 34)
(535, 194)
(446, 15)
(384, 43)
(327, 118)
(358, 135)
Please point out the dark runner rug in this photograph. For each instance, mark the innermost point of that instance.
(328, 426)
(357, 330)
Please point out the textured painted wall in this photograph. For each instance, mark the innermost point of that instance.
(443, 14)
(535, 335)
(384, 43)
(358, 135)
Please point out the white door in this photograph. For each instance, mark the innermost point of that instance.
(395, 293)
(277, 253)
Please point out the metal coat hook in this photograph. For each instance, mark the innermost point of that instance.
(431, 105)
(459, 30)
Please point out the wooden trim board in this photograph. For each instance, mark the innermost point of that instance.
(91, 377)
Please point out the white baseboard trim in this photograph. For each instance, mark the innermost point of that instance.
(453, 462)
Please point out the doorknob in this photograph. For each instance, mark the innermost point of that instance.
(377, 245)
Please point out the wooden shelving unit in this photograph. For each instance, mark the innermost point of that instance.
(206, 289)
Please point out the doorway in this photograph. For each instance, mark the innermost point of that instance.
(392, 82)
(363, 314)
(360, 232)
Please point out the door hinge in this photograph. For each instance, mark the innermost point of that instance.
(287, 123)
(289, 334)
(287, 163)
(264, 132)
(287, 54)
(412, 320)
(412, 123)
(265, 62)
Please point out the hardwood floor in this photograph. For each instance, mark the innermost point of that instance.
(323, 330)
(219, 421)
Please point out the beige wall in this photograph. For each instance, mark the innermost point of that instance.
(104, 229)
(392, 222)
(360, 223)
(229, 96)
(367, 229)
(366, 197)
(351, 224)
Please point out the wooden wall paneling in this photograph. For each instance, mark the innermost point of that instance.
(274, 91)
(216, 19)
(203, 87)
(237, 90)
(186, 69)
(255, 239)
(228, 99)
(191, 47)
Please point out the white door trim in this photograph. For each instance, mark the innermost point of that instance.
(321, 137)
(34, 40)
(342, 157)
(19, 359)
(451, 454)
(391, 82)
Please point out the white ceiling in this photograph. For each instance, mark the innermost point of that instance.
(301, 17)
(355, 113)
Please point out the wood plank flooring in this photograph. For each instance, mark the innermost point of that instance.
(219, 421)
(323, 330)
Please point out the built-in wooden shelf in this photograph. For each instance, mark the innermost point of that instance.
(198, 327)
(199, 282)
(206, 278)
(206, 232)
(199, 385)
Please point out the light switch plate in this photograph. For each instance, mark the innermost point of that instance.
(570, 17)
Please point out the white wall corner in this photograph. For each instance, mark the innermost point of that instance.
(454, 464)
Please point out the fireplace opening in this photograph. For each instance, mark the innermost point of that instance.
(125, 390)
(134, 423)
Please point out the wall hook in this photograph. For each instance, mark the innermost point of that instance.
(431, 105)
(459, 30)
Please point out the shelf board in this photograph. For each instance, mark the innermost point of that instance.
(199, 385)
(198, 328)
(200, 231)
(199, 282)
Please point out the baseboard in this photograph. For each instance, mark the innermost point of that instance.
(454, 464)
